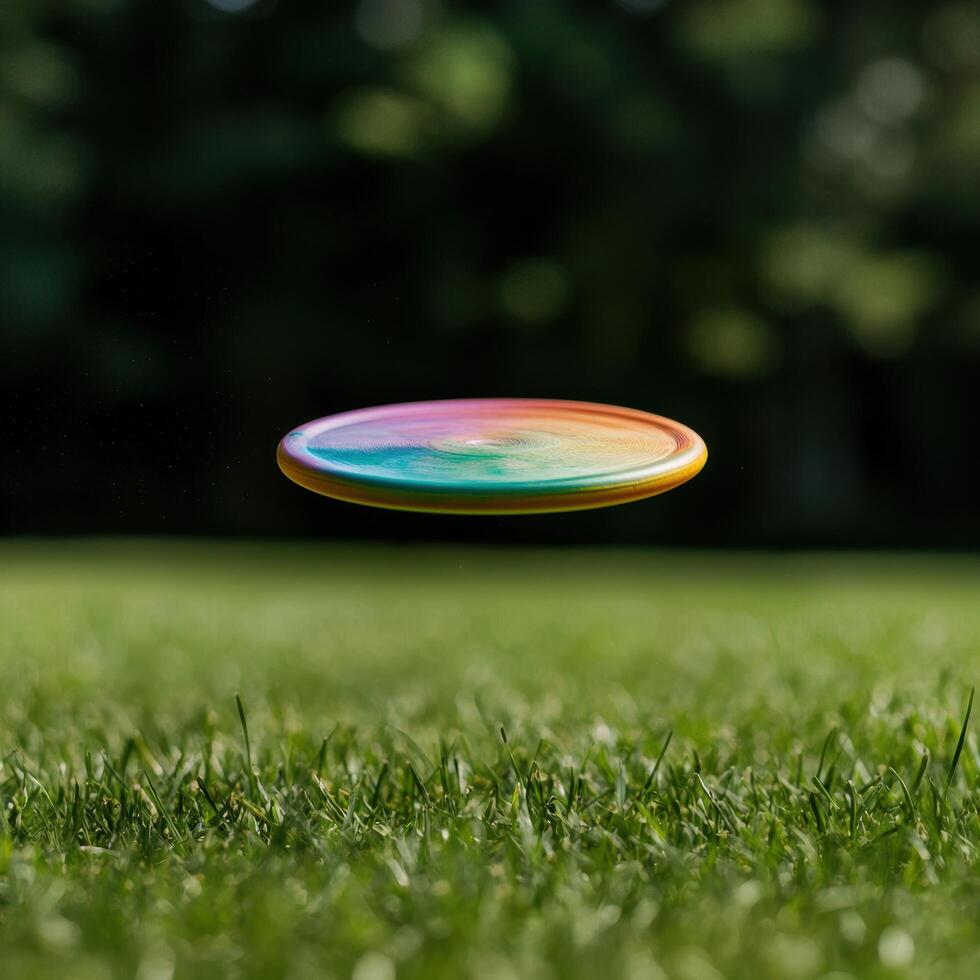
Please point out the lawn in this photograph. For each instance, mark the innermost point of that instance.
(486, 763)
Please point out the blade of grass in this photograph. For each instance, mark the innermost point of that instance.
(823, 751)
(656, 765)
(923, 765)
(248, 744)
(962, 739)
(905, 793)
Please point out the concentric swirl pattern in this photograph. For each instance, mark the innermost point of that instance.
(492, 456)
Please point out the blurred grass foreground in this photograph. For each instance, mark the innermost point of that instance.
(477, 763)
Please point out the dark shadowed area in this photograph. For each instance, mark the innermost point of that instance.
(221, 219)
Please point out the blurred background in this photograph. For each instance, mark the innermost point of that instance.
(222, 218)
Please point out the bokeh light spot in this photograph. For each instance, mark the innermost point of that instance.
(728, 30)
(534, 290)
(891, 89)
(896, 948)
(733, 343)
(879, 296)
(468, 73)
(383, 122)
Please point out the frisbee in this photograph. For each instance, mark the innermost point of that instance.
(491, 456)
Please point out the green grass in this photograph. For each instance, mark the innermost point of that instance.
(492, 764)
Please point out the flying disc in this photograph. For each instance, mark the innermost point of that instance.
(491, 455)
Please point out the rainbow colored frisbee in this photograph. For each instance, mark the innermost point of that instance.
(492, 456)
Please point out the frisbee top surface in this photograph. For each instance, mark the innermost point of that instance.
(491, 455)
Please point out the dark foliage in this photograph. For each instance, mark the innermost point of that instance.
(758, 216)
